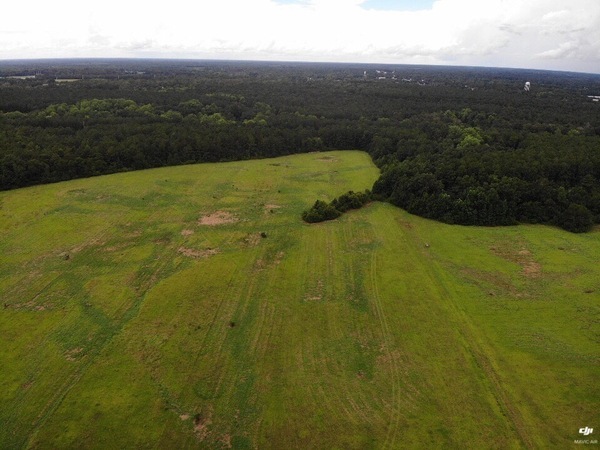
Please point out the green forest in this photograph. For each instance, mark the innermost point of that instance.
(460, 145)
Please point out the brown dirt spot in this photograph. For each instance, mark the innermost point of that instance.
(226, 441)
(501, 284)
(115, 248)
(73, 354)
(328, 159)
(187, 232)
(271, 208)
(259, 265)
(29, 306)
(193, 253)
(278, 258)
(201, 424)
(184, 416)
(252, 239)
(218, 218)
(523, 257)
(316, 294)
(532, 269)
(405, 224)
(92, 243)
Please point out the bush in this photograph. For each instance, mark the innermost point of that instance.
(577, 219)
(322, 211)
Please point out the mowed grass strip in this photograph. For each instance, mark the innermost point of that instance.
(190, 307)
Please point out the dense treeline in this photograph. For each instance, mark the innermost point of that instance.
(461, 145)
(469, 175)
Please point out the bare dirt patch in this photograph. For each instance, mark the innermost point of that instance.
(195, 253)
(270, 261)
(92, 243)
(532, 269)
(226, 441)
(316, 294)
(218, 218)
(252, 239)
(278, 258)
(259, 265)
(271, 208)
(523, 257)
(187, 232)
(201, 424)
(499, 283)
(29, 306)
(73, 354)
(328, 159)
(405, 224)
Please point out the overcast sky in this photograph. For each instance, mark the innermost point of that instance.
(543, 34)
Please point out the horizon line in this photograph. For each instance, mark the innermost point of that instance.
(280, 61)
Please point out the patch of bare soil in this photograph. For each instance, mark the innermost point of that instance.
(499, 283)
(193, 253)
(532, 269)
(201, 424)
(259, 265)
(523, 257)
(29, 306)
(328, 159)
(187, 232)
(226, 441)
(184, 416)
(92, 243)
(73, 354)
(253, 239)
(268, 262)
(218, 218)
(316, 294)
(278, 258)
(405, 224)
(271, 208)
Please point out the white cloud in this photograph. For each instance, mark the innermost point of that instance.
(536, 33)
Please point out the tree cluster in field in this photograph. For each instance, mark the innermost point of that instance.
(322, 211)
(460, 145)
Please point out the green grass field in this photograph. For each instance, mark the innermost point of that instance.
(145, 310)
